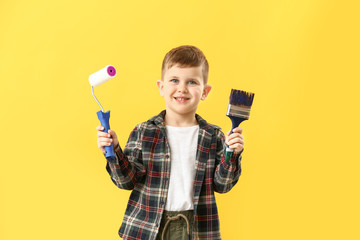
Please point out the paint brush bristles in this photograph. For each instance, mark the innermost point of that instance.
(240, 104)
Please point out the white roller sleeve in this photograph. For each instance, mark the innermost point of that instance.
(102, 76)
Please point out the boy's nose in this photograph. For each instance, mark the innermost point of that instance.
(182, 88)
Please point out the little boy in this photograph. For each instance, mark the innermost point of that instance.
(174, 162)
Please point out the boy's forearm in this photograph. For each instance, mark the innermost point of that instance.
(123, 173)
(226, 173)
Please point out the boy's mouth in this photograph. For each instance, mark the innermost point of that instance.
(181, 99)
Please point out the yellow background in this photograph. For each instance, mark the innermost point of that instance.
(300, 175)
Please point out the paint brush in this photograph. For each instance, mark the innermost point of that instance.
(238, 110)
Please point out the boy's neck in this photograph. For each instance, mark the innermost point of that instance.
(180, 120)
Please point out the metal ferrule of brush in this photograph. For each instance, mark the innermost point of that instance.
(238, 111)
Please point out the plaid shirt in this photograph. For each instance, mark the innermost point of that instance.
(144, 168)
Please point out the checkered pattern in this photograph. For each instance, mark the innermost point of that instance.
(144, 167)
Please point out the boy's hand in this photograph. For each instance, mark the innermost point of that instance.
(104, 138)
(235, 140)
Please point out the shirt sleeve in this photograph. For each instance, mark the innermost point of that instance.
(127, 168)
(226, 174)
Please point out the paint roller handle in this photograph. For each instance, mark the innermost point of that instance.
(104, 120)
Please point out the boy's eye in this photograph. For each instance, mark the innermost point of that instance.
(174, 80)
(192, 82)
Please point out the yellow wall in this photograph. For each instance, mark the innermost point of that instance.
(301, 59)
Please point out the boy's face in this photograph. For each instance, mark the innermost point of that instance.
(183, 88)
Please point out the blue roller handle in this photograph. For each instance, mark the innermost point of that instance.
(104, 120)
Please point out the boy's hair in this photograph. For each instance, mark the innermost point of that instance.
(186, 56)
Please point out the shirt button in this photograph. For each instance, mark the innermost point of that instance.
(167, 156)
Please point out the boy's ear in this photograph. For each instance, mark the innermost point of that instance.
(160, 85)
(207, 89)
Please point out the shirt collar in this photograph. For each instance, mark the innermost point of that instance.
(159, 121)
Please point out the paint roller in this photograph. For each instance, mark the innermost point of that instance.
(97, 79)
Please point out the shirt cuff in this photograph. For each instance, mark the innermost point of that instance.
(118, 152)
(236, 156)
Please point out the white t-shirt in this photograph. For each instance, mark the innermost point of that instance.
(183, 146)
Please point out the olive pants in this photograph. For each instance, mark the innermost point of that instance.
(176, 225)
